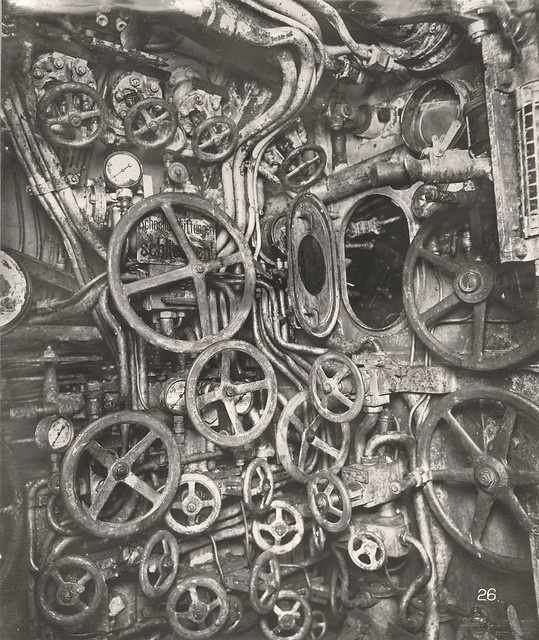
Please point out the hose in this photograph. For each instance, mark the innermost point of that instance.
(419, 582)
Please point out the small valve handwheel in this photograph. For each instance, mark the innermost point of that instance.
(319, 625)
(159, 564)
(235, 615)
(202, 273)
(336, 387)
(338, 587)
(265, 582)
(290, 618)
(244, 371)
(303, 436)
(279, 530)
(196, 506)
(106, 462)
(329, 501)
(215, 139)
(72, 114)
(302, 167)
(258, 486)
(150, 123)
(197, 608)
(366, 550)
(70, 591)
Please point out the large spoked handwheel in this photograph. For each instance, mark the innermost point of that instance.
(258, 486)
(107, 463)
(72, 114)
(279, 530)
(240, 406)
(336, 387)
(150, 123)
(70, 591)
(366, 550)
(159, 564)
(215, 139)
(485, 314)
(11, 513)
(329, 501)
(197, 608)
(303, 436)
(196, 506)
(480, 448)
(302, 167)
(290, 618)
(265, 582)
(181, 274)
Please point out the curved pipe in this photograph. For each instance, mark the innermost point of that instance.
(419, 582)
(404, 439)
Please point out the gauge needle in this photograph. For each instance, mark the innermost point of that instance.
(128, 166)
(58, 435)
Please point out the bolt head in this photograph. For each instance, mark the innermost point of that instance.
(470, 281)
(38, 73)
(199, 268)
(58, 63)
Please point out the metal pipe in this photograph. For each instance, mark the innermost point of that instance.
(416, 584)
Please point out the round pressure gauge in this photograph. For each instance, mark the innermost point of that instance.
(54, 434)
(173, 396)
(122, 170)
(14, 292)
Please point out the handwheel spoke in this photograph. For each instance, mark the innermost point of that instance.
(223, 261)
(439, 310)
(104, 457)
(502, 439)
(297, 423)
(85, 115)
(450, 266)
(464, 437)
(159, 280)
(325, 447)
(513, 504)
(478, 335)
(342, 372)
(515, 303)
(203, 306)
(303, 452)
(141, 487)
(210, 396)
(483, 507)
(453, 475)
(102, 495)
(136, 451)
(338, 395)
(235, 420)
(251, 387)
(179, 232)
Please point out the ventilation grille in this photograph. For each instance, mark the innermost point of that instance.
(529, 155)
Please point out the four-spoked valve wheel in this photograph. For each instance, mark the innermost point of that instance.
(265, 582)
(150, 123)
(336, 387)
(197, 608)
(105, 467)
(70, 591)
(159, 564)
(245, 379)
(215, 139)
(329, 501)
(193, 275)
(72, 114)
(479, 446)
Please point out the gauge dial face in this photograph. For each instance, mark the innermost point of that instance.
(174, 396)
(14, 292)
(54, 434)
(122, 170)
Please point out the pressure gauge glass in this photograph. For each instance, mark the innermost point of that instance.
(14, 292)
(173, 396)
(122, 170)
(54, 434)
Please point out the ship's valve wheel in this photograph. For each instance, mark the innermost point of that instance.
(329, 501)
(487, 317)
(317, 539)
(235, 615)
(338, 588)
(197, 608)
(108, 462)
(336, 387)
(159, 564)
(196, 506)
(280, 529)
(258, 486)
(215, 139)
(70, 591)
(290, 618)
(303, 436)
(265, 582)
(366, 550)
(11, 513)
(245, 373)
(479, 447)
(302, 167)
(319, 625)
(72, 114)
(206, 275)
(150, 123)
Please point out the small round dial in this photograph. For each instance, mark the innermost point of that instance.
(122, 169)
(14, 292)
(54, 434)
(173, 396)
